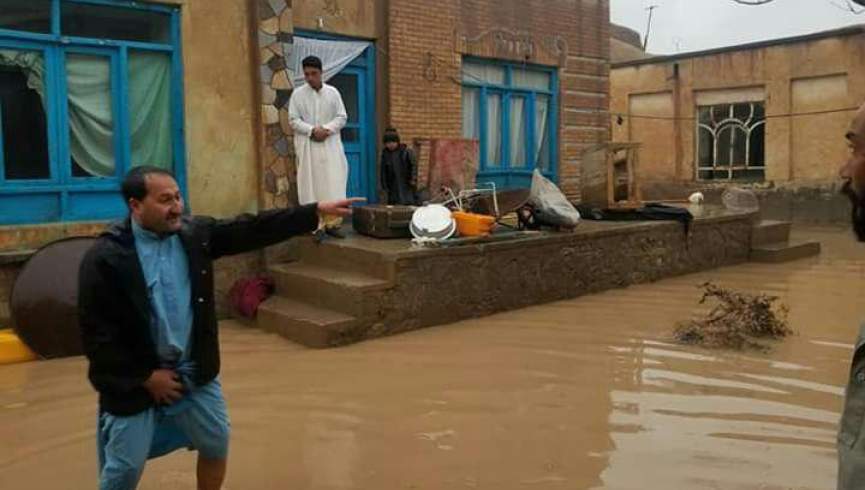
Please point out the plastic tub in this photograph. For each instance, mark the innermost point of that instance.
(470, 224)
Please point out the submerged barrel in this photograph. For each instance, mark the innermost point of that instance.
(44, 299)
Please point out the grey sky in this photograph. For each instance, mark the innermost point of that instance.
(692, 25)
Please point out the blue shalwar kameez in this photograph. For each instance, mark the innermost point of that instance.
(199, 420)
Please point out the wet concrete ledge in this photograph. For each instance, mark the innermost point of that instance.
(428, 286)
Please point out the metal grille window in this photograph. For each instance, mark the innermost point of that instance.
(731, 142)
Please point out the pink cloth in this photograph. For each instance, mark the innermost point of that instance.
(247, 294)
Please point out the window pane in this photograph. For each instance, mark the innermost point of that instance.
(704, 115)
(26, 15)
(91, 118)
(542, 133)
(720, 113)
(531, 79)
(471, 113)
(22, 116)
(483, 73)
(518, 132)
(742, 112)
(740, 141)
(150, 109)
(725, 147)
(705, 147)
(350, 135)
(347, 85)
(757, 156)
(494, 130)
(125, 24)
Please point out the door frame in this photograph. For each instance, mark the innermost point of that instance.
(366, 62)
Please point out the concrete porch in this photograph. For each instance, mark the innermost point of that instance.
(345, 291)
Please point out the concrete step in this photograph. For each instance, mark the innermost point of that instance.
(344, 291)
(304, 323)
(345, 255)
(767, 232)
(775, 253)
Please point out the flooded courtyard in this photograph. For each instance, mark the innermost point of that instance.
(586, 393)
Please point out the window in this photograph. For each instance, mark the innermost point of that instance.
(731, 142)
(510, 109)
(88, 89)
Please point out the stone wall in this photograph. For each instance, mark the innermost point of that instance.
(437, 287)
(275, 28)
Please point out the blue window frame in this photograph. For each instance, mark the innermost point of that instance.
(88, 89)
(512, 109)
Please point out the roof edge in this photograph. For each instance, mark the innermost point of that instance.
(841, 32)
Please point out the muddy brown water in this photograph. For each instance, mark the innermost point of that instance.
(588, 393)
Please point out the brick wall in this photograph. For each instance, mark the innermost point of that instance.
(426, 45)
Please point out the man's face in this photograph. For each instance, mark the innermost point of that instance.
(391, 145)
(853, 173)
(161, 209)
(312, 76)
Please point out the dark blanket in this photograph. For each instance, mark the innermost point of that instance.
(649, 212)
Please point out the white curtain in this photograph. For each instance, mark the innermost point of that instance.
(91, 119)
(542, 108)
(518, 132)
(91, 116)
(335, 55)
(150, 108)
(531, 79)
(32, 64)
(494, 130)
(483, 73)
(471, 113)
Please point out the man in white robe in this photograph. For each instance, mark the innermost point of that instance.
(317, 115)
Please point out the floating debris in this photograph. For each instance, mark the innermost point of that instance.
(739, 321)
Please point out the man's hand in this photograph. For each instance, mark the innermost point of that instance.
(320, 134)
(164, 386)
(339, 208)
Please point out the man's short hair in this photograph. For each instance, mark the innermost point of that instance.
(135, 183)
(312, 62)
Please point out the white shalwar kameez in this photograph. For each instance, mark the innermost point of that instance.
(322, 168)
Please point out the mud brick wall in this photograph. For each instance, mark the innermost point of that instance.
(427, 43)
(473, 281)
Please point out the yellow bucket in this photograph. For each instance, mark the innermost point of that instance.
(13, 350)
(470, 224)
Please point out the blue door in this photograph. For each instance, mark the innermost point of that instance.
(350, 83)
(356, 83)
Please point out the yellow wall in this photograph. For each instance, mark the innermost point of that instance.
(355, 18)
(220, 96)
(816, 75)
(220, 101)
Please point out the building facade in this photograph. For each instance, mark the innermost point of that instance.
(767, 115)
(202, 87)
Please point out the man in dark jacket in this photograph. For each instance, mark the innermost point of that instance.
(149, 326)
(851, 443)
(398, 170)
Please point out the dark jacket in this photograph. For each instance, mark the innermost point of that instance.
(399, 175)
(851, 444)
(114, 309)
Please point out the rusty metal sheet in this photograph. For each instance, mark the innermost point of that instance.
(44, 301)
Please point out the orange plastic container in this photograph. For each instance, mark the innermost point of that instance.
(470, 224)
